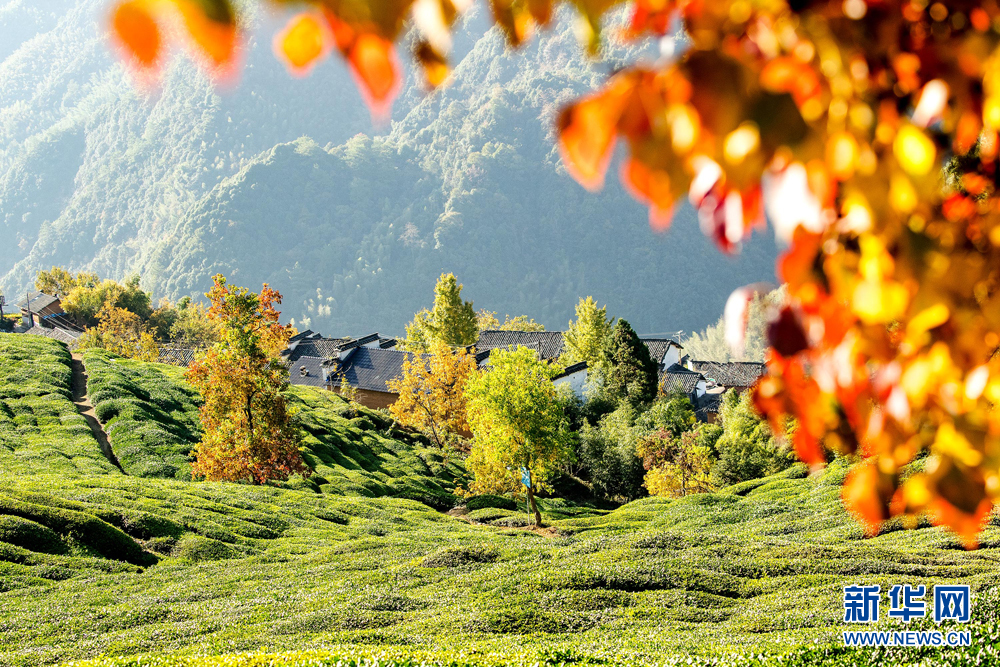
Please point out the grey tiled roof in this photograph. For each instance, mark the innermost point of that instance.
(711, 402)
(360, 342)
(370, 368)
(678, 376)
(387, 343)
(572, 368)
(730, 374)
(302, 334)
(325, 348)
(314, 372)
(548, 344)
(37, 301)
(658, 347)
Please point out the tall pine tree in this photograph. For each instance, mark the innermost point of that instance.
(632, 373)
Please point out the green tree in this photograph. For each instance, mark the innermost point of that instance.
(517, 421)
(60, 282)
(122, 332)
(746, 448)
(632, 373)
(193, 326)
(487, 320)
(90, 295)
(586, 339)
(451, 321)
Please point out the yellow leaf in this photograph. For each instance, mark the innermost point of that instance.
(302, 42)
(914, 151)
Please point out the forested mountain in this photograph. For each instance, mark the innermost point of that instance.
(287, 181)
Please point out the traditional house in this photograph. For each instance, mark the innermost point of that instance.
(721, 377)
(665, 352)
(42, 315)
(676, 377)
(366, 363)
(574, 375)
(36, 307)
(738, 375)
(368, 370)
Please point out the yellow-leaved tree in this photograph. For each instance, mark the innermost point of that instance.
(517, 424)
(122, 332)
(432, 393)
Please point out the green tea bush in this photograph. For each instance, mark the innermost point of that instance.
(195, 548)
(41, 430)
(487, 500)
(459, 556)
(148, 412)
(30, 535)
(87, 529)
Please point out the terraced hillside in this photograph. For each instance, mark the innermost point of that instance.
(151, 417)
(753, 569)
(40, 428)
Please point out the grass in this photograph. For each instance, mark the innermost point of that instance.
(151, 417)
(238, 569)
(40, 428)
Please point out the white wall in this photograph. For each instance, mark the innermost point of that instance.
(576, 381)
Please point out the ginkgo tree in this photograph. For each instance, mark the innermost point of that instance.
(867, 130)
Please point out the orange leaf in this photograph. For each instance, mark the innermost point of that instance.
(966, 526)
(301, 43)
(373, 61)
(652, 187)
(587, 132)
(212, 26)
(138, 31)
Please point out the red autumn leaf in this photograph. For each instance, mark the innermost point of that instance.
(651, 187)
(786, 334)
(138, 31)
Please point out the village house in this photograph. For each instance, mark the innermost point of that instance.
(366, 363)
(43, 315)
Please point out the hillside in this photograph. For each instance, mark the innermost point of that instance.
(757, 568)
(270, 181)
(150, 416)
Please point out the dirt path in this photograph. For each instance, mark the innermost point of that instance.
(82, 402)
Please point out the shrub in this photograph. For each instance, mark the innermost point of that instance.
(196, 548)
(488, 500)
(459, 556)
(87, 529)
(746, 448)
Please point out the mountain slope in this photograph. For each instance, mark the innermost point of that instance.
(186, 180)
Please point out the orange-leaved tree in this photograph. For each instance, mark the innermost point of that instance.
(868, 132)
(432, 393)
(249, 434)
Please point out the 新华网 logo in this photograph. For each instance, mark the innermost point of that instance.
(862, 604)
